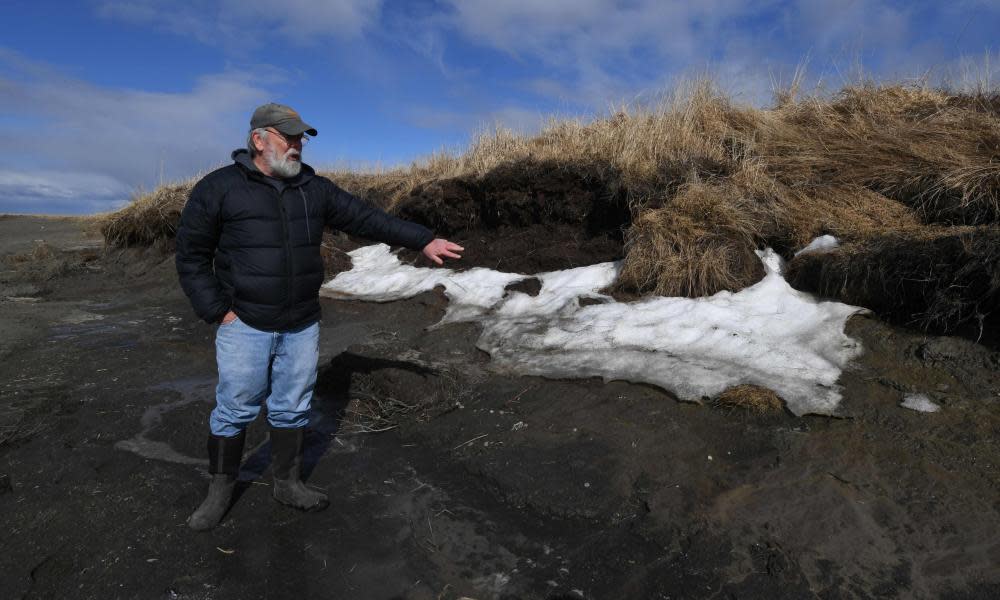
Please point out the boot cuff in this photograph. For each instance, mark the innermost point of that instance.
(225, 454)
(286, 451)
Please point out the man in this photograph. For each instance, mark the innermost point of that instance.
(248, 258)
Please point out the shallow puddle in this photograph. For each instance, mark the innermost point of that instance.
(191, 390)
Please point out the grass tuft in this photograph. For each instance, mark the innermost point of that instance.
(700, 242)
(752, 399)
(148, 218)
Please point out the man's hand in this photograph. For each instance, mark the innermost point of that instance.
(440, 247)
(229, 318)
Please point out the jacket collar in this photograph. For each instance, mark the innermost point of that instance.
(242, 158)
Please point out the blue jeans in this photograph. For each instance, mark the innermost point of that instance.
(254, 365)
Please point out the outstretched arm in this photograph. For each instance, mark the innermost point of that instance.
(355, 216)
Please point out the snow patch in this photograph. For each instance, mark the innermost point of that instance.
(919, 402)
(768, 334)
(824, 243)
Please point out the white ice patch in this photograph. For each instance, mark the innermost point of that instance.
(824, 243)
(378, 275)
(767, 334)
(919, 402)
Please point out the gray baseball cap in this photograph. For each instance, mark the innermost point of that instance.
(283, 118)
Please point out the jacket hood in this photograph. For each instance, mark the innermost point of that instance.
(241, 157)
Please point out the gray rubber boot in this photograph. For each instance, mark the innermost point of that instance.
(224, 456)
(286, 464)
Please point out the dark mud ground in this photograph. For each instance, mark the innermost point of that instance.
(490, 485)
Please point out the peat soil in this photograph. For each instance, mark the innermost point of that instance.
(485, 484)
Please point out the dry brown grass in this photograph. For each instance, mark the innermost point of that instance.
(40, 251)
(707, 181)
(934, 151)
(148, 218)
(752, 399)
(647, 152)
(701, 241)
(45, 262)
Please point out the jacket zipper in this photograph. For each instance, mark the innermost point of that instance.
(288, 256)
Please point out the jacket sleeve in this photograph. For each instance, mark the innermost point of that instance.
(197, 239)
(350, 214)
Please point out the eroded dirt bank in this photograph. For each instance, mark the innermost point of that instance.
(491, 485)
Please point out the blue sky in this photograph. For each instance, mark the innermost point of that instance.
(100, 98)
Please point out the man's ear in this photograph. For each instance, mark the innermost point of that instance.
(258, 142)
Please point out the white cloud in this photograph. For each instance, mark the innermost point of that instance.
(585, 57)
(590, 54)
(606, 51)
(516, 118)
(306, 17)
(603, 52)
(60, 192)
(132, 137)
(566, 31)
(58, 184)
(197, 23)
(830, 25)
(244, 21)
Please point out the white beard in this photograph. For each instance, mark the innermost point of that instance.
(283, 166)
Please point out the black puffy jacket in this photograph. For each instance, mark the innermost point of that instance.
(262, 236)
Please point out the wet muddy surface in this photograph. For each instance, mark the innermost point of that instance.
(484, 484)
